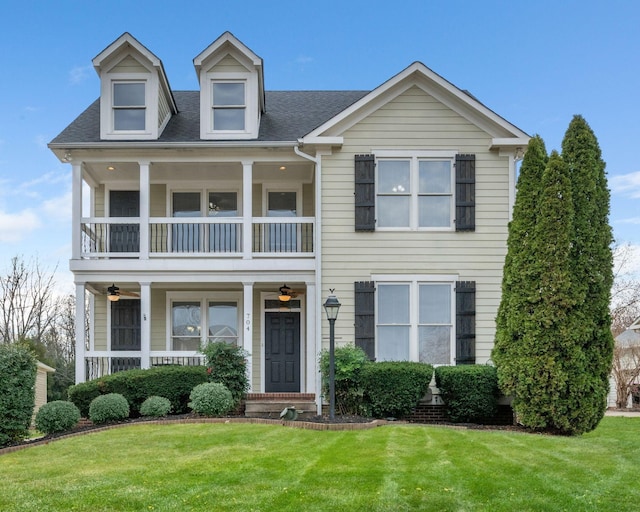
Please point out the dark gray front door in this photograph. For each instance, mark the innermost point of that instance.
(282, 353)
(124, 237)
(125, 325)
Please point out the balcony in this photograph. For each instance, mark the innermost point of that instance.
(170, 237)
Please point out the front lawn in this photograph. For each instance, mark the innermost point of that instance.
(246, 467)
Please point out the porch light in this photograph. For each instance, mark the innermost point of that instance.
(284, 294)
(113, 293)
(331, 307)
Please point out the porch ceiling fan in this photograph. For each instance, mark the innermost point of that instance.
(286, 293)
(114, 293)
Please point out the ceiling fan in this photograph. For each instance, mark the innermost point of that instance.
(286, 293)
(114, 293)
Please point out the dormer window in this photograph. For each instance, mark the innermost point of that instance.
(129, 106)
(229, 106)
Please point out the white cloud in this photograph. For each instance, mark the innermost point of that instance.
(79, 74)
(15, 227)
(58, 208)
(626, 184)
(303, 59)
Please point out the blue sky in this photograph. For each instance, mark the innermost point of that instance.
(534, 63)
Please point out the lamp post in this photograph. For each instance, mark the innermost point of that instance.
(331, 307)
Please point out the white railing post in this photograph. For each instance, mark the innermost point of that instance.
(76, 210)
(80, 333)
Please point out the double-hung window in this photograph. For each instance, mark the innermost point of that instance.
(414, 321)
(129, 106)
(415, 193)
(229, 106)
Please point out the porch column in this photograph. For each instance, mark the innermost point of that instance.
(312, 348)
(76, 210)
(145, 325)
(247, 209)
(247, 329)
(80, 334)
(144, 209)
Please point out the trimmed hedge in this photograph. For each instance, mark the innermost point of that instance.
(349, 361)
(227, 364)
(211, 399)
(155, 406)
(109, 407)
(470, 392)
(394, 388)
(172, 382)
(57, 416)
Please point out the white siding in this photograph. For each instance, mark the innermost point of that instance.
(129, 65)
(228, 65)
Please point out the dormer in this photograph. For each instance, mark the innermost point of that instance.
(136, 101)
(231, 90)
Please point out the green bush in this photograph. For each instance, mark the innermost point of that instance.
(211, 399)
(18, 369)
(227, 364)
(57, 416)
(349, 361)
(155, 406)
(394, 388)
(172, 382)
(470, 392)
(109, 407)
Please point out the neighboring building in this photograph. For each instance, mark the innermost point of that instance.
(629, 341)
(204, 207)
(41, 386)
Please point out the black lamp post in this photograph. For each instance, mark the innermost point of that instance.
(331, 307)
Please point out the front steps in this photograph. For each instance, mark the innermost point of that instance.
(270, 405)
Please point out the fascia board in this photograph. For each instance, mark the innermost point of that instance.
(227, 37)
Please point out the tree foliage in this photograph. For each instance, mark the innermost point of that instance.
(17, 396)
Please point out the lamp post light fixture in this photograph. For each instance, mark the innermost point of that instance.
(331, 307)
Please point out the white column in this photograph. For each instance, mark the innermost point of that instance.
(80, 334)
(144, 209)
(76, 210)
(312, 348)
(145, 325)
(247, 209)
(247, 328)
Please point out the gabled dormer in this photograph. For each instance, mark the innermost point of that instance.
(136, 101)
(231, 90)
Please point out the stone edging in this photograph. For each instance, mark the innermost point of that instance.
(308, 425)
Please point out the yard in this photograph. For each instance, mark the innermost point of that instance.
(269, 467)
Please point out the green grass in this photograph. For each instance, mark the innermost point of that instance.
(269, 467)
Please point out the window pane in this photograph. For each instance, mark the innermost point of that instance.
(128, 95)
(282, 204)
(223, 204)
(435, 304)
(185, 325)
(186, 204)
(434, 211)
(393, 211)
(228, 94)
(129, 119)
(228, 118)
(393, 304)
(393, 343)
(394, 177)
(223, 322)
(435, 177)
(435, 345)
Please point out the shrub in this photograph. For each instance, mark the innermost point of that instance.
(172, 382)
(394, 388)
(227, 364)
(155, 406)
(18, 369)
(349, 361)
(109, 407)
(57, 416)
(470, 393)
(211, 399)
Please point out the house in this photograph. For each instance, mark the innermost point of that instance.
(41, 386)
(229, 212)
(626, 359)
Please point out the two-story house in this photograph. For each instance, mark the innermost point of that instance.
(228, 213)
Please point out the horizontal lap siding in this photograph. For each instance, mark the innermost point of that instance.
(415, 120)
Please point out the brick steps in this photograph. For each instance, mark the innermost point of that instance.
(259, 405)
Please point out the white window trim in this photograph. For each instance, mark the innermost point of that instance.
(414, 281)
(203, 189)
(267, 188)
(203, 298)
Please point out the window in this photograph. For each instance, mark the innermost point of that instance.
(414, 193)
(229, 106)
(415, 322)
(282, 236)
(193, 315)
(129, 106)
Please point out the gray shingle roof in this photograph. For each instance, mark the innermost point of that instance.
(289, 115)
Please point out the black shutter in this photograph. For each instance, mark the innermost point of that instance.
(465, 192)
(365, 323)
(465, 322)
(365, 193)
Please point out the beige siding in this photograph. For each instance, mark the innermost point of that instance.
(163, 109)
(99, 201)
(158, 320)
(256, 207)
(417, 121)
(228, 65)
(100, 322)
(158, 200)
(256, 354)
(129, 65)
(308, 203)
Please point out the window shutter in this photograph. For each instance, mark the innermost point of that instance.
(365, 193)
(465, 192)
(465, 322)
(365, 324)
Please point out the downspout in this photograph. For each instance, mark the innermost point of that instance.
(318, 250)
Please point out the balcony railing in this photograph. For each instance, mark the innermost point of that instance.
(105, 237)
(100, 365)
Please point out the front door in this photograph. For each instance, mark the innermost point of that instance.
(124, 237)
(282, 352)
(125, 333)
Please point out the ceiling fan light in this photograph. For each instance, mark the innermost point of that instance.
(113, 293)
